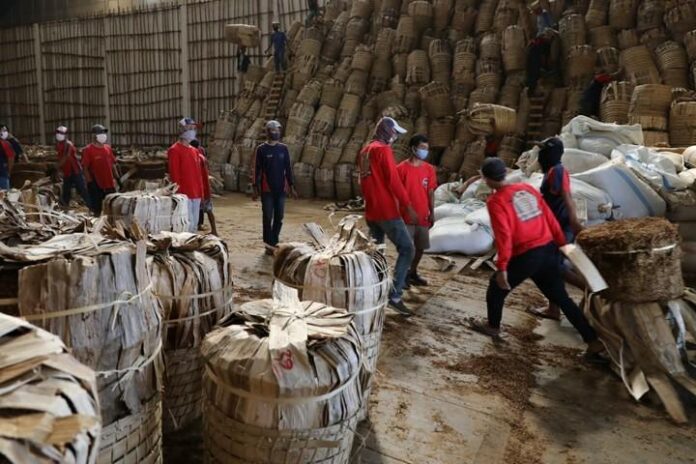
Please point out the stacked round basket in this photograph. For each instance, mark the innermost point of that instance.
(640, 260)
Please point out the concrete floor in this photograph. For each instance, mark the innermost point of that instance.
(446, 395)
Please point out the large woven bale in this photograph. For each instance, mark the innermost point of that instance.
(157, 211)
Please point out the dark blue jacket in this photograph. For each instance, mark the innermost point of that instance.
(273, 171)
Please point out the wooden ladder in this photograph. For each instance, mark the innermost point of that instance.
(274, 96)
(536, 117)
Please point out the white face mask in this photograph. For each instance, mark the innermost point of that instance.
(188, 135)
(60, 137)
(101, 138)
(4, 134)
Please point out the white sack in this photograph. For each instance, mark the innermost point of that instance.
(597, 144)
(631, 197)
(688, 176)
(582, 126)
(455, 235)
(445, 193)
(576, 161)
(657, 169)
(458, 209)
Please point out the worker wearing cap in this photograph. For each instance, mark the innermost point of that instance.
(185, 169)
(17, 149)
(278, 41)
(385, 198)
(527, 237)
(99, 163)
(70, 167)
(591, 96)
(273, 179)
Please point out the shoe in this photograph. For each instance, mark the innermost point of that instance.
(418, 281)
(400, 307)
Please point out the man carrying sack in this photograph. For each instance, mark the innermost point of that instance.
(527, 237)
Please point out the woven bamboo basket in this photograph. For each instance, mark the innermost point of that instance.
(690, 45)
(464, 19)
(603, 36)
(486, 14)
(680, 19)
(324, 120)
(343, 70)
(678, 78)
(135, 438)
(628, 38)
(348, 110)
(597, 13)
(653, 138)
(324, 183)
(463, 133)
(474, 156)
(510, 149)
(460, 99)
(442, 12)
(492, 119)
(639, 65)
(486, 95)
(300, 117)
(453, 156)
(362, 59)
(650, 14)
(615, 102)
(556, 103)
(418, 68)
(310, 93)
(651, 99)
(622, 14)
(580, 64)
(304, 179)
(441, 132)
(639, 258)
(380, 76)
(356, 30)
(356, 83)
(314, 148)
(572, 30)
(331, 156)
(608, 59)
(361, 9)
(349, 46)
(436, 99)
(384, 43)
(489, 48)
(422, 13)
(400, 65)
(306, 415)
(50, 408)
(464, 62)
(331, 93)
(513, 49)
(343, 180)
(506, 15)
(254, 110)
(412, 101)
(332, 46)
(421, 125)
(653, 38)
(440, 60)
(671, 55)
(225, 126)
(405, 35)
(358, 280)
(510, 94)
(682, 123)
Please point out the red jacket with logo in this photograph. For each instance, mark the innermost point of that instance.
(185, 169)
(521, 221)
(381, 186)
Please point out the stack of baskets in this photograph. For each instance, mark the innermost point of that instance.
(616, 101)
(649, 107)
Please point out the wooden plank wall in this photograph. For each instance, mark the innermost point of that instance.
(126, 70)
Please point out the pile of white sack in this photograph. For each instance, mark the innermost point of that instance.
(613, 176)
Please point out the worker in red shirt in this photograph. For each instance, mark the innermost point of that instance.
(207, 201)
(185, 169)
(385, 197)
(99, 164)
(70, 167)
(527, 236)
(420, 182)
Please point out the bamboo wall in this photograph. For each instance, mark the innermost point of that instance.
(137, 72)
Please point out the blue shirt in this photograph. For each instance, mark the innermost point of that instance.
(544, 21)
(552, 189)
(273, 172)
(278, 39)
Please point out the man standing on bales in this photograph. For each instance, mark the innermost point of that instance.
(278, 41)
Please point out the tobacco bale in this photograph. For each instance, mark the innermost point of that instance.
(191, 277)
(157, 211)
(639, 258)
(249, 416)
(62, 423)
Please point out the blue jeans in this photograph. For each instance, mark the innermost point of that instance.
(78, 182)
(4, 183)
(397, 233)
(273, 207)
(279, 60)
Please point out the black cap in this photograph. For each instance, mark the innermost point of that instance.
(551, 147)
(494, 169)
(99, 129)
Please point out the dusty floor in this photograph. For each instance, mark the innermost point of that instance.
(447, 395)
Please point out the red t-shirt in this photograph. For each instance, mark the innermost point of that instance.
(185, 169)
(380, 183)
(419, 182)
(72, 164)
(521, 221)
(99, 163)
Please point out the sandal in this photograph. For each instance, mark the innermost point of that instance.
(483, 328)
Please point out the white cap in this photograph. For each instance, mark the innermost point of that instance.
(273, 124)
(391, 122)
(62, 130)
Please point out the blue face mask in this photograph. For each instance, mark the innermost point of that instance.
(422, 153)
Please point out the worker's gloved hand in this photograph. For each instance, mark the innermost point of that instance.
(501, 279)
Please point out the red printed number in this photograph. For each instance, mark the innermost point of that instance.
(286, 360)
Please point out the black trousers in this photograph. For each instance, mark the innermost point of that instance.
(273, 208)
(96, 196)
(543, 266)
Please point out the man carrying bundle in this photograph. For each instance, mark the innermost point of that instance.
(420, 182)
(99, 162)
(272, 180)
(70, 167)
(385, 197)
(184, 163)
(527, 237)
